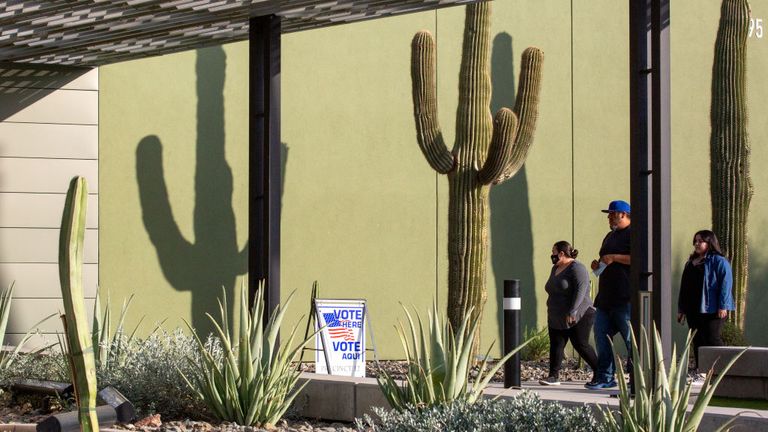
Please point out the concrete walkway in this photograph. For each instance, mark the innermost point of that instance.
(574, 394)
(353, 397)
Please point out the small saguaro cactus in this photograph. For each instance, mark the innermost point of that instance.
(730, 182)
(75, 321)
(487, 150)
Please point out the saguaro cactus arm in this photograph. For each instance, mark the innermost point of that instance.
(423, 79)
(730, 183)
(501, 149)
(70, 275)
(526, 108)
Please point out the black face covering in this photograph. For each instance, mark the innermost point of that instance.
(554, 258)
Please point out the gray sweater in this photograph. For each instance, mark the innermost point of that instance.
(568, 295)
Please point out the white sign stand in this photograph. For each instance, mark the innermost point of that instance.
(341, 346)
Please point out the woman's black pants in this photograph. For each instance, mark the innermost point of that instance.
(708, 328)
(579, 337)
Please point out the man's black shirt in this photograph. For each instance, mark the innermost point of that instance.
(614, 286)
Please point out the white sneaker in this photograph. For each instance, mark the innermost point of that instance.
(549, 381)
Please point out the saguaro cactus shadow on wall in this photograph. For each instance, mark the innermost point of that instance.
(486, 151)
(511, 234)
(730, 182)
(213, 260)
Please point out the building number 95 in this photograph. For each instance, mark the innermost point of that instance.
(756, 27)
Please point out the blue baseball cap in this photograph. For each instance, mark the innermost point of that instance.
(618, 206)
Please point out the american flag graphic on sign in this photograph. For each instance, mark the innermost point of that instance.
(336, 330)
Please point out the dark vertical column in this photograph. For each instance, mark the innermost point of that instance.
(662, 180)
(640, 158)
(512, 332)
(264, 172)
(650, 165)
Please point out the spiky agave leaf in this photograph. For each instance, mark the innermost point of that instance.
(255, 383)
(661, 406)
(439, 361)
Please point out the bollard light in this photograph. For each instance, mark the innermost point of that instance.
(512, 332)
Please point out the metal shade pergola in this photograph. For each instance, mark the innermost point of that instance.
(97, 32)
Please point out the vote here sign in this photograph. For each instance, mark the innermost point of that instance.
(343, 337)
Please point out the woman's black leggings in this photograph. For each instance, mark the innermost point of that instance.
(708, 328)
(579, 337)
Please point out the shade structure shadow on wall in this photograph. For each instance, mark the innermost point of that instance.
(23, 85)
(214, 260)
(511, 236)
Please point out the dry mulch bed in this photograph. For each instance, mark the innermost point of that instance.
(32, 408)
(529, 370)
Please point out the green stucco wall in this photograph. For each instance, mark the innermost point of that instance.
(362, 211)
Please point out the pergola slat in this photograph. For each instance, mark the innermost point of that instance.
(97, 32)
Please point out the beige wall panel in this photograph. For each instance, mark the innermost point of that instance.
(26, 175)
(58, 106)
(19, 210)
(26, 245)
(49, 140)
(34, 280)
(30, 76)
(37, 341)
(48, 134)
(33, 310)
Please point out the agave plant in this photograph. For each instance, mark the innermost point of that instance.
(538, 346)
(254, 383)
(7, 357)
(661, 399)
(439, 363)
(109, 345)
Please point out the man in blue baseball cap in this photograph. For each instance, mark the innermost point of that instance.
(614, 293)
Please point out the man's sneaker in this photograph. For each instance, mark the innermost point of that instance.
(597, 385)
(549, 381)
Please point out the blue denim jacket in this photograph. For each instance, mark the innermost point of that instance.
(718, 284)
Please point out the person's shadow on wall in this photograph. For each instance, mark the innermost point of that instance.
(214, 260)
(511, 236)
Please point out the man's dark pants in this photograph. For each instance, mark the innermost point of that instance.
(608, 322)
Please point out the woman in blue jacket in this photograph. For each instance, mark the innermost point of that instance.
(705, 291)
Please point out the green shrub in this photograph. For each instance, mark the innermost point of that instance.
(41, 366)
(525, 412)
(147, 372)
(732, 335)
(538, 345)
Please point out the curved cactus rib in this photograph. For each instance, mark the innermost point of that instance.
(526, 108)
(730, 183)
(78, 336)
(474, 124)
(501, 150)
(423, 77)
(498, 144)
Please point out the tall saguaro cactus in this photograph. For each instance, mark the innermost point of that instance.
(487, 150)
(76, 325)
(730, 183)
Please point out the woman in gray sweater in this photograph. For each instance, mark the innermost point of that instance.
(570, 313)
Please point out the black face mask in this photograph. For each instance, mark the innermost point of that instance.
(554, 258)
